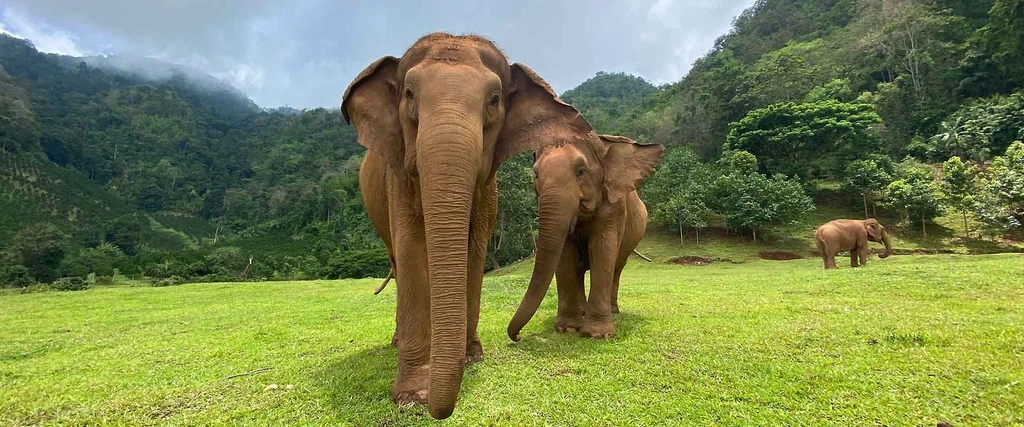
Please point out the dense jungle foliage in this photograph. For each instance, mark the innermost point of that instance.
(908, 106)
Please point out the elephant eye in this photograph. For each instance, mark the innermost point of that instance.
(408, 94)
(495, 99)
(580, 172)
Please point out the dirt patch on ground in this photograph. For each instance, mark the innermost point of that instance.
(779, 255)
(693, 260)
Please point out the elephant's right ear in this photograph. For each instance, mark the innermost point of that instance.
(371, 106)
(535, 117)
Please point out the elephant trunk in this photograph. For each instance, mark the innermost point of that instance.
(888, 245)
(557, 218)
(448, 159)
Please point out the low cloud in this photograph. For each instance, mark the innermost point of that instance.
(304, 53)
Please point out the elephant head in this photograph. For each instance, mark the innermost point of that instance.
(574, 181)
(876, 233)
(444, 116)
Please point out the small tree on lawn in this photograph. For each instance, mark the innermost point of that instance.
(40, 248)
(1002, 204)
(752, 201)
(677, 193)
(866, 178)
(915, 200)
(958, 187)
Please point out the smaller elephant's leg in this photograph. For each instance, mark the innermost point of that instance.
(854, 253)
(571, 298)
(864, 253)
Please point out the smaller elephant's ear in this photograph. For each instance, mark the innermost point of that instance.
(370, 104)
(626, 163)
(535, 117)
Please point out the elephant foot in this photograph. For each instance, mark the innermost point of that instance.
(474, 352)
(598, 330)
(569, 325)
(413, 388)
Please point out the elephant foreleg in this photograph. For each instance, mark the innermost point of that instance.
(571, 297)
(854, 253)
(597, 322)
(413, 309)
(864, 253)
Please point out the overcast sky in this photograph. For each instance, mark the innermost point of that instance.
(303, 53)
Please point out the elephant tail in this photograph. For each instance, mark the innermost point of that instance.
(820, 242)
(391, 274)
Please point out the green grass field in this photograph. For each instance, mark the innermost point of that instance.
(909, 340)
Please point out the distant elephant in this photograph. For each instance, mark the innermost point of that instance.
(590, 218)
(850, 235)
(437, 123)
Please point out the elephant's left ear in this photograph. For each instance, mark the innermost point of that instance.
(535, 117)
(626, 163)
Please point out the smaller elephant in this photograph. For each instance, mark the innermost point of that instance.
(590, 218)
(850, 235)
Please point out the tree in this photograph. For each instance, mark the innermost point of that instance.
(784, 137)
(677, 193)
(754, 202)
(512, 237)
(40, 248)
(915, 200)
(1003, 38)
(866, 178)
(1002, 204)
(958, 187)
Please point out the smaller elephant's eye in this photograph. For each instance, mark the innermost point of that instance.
(408, 94)
(580, 172)
(495, 99)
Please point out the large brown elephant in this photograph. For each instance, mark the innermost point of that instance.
(590, 218)
(850, 235)
(437, 123)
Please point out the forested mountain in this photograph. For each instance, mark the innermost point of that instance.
(917, 62)
(865, 94)
(166, 172)
(177, 159)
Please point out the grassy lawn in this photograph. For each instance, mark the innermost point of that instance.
(909, 340)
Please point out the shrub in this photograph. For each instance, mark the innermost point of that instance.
(358, 264)
(15, 276)
(170, 281)
(70, 284)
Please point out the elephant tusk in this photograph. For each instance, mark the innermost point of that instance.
(391, 273)
(637, 253)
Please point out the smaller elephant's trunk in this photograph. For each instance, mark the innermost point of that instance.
(556, 223)
(888, 245)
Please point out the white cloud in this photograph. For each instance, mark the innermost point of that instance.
(45, 38)
(244, 77)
